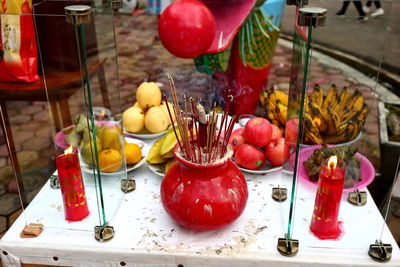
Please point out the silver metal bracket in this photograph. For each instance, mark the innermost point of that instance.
(128, 185)
(312, 16)
(103, 233)
(116, 4)
(54, 182)
(299, 3)
(380, 252)
(78, 14)
(357, 198)
(288, 247)
(279, 194)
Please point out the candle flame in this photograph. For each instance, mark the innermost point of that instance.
(332, 162)
(68, 150)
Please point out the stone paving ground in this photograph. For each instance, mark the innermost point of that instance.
(139, 54)
(374, 40)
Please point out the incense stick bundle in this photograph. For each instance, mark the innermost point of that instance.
(199, 137)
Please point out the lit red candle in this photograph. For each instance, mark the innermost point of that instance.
(324, 222)
(71, 184)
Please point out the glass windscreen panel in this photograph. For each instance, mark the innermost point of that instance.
(67, 104)
(341, 118)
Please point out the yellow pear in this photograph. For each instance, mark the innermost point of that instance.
(171, 109)
(148, 95)
(133, 119)
(155, 120)
(136, 105)
(111, 138)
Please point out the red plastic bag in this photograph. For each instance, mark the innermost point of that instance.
(18, 54)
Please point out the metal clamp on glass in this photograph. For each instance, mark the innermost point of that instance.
(128, 185)
(312, 16)
(288, 247)
(116, 4)
(78, 14)
(380, 252)
(103, 233)
(279, 194)
(297, 2)
(357, 198)
(54, 182)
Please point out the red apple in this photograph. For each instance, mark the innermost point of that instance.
(238, 131)
(276, 132)
(277, 152)
(258, 131)
(249, 157)
(291, 131)
(236, 140)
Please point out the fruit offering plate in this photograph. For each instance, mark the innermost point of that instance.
(157, 169)
(266, 168)
(367, 170)
(144, 134)
(59, 138)
(348, 143)
(130, 167)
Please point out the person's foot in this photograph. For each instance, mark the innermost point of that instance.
(378, 12)
(366, 9)
(362, 18)
(340, 14)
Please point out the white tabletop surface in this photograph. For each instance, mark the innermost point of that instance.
(146, 236)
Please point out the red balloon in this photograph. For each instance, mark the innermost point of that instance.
(186, 28)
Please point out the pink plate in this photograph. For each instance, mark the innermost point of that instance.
(59, 138)
(367, 170)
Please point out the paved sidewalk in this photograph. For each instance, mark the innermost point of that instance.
(374, 40)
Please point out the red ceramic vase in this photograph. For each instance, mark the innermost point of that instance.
(204, 196)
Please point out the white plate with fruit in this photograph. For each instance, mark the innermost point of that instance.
(114, 166)
(145, 135)
(259, 148)
(148, 118)
(161, 169)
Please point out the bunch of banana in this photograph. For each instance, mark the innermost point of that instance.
(334, 118)
(161, 151)
(329, 119)
(275, 103)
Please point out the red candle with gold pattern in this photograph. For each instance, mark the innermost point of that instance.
(71, 184)
(324, 222)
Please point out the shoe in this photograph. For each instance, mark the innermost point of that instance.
(362, 18)
(366, 9)
(340, 14)
(378, 12)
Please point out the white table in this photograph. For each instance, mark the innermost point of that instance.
(146, 236)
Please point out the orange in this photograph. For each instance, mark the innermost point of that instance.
(133, 153)
(110, 160)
